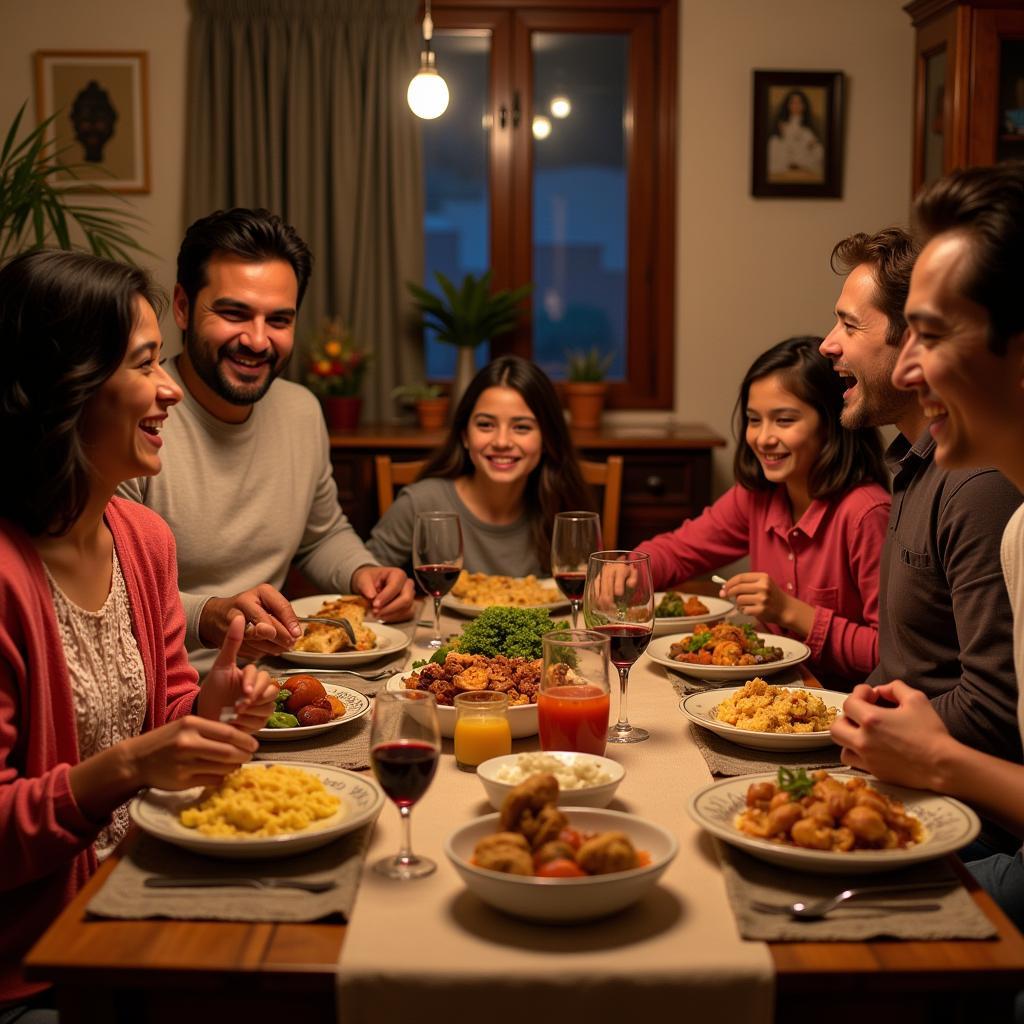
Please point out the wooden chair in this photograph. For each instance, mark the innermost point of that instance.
(598, 474)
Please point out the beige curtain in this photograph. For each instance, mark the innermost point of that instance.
(299, 106)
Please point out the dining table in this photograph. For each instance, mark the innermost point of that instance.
(203, 971)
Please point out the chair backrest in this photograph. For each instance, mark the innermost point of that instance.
(601, 474)
(609, 476)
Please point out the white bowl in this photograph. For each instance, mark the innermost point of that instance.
(585, 796)
(565, 899)
(718, 609)
(522, 719)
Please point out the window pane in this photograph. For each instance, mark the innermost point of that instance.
(579, 197)
(455, 148)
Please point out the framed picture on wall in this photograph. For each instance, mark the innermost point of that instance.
(100, 99)
(798, 134)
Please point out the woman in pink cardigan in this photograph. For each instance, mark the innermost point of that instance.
(97, 698)
(810, 507)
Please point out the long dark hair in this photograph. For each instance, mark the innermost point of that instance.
(556, 484)
(65, 321)
(847, 457)
(807, 118)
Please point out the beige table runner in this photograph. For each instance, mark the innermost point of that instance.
(430, 950)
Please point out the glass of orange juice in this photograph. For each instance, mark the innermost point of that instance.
(481, 727)
(573, 702)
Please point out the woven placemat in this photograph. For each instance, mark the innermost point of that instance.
(125, 894)
(748, 879)
(347, 746)
(726, 758)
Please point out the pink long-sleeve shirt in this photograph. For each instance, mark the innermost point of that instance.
(829, 559)
(45, 840)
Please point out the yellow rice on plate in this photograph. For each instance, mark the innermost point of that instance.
(758, 707)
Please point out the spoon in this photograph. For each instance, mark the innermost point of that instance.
(812, 910)
(720, 580)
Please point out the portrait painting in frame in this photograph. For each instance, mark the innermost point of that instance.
(798, 134)
(100, 100)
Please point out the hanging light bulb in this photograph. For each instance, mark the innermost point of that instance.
(541, 127)
(560, 106)
(428, 92)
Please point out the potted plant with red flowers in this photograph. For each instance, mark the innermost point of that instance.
(337, 368)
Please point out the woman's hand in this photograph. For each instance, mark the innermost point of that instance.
(249, 691)
(907, 744)
(758, 595)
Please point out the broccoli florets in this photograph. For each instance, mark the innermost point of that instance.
(514, 632)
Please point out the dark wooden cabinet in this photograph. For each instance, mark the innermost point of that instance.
(666, 472)
(968, 84)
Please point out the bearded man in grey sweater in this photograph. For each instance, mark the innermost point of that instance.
(246, 483)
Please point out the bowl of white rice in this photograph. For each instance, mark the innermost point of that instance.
(584, 780)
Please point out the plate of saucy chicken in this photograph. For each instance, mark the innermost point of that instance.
(675, 611)
(727, 651)
(832, 822)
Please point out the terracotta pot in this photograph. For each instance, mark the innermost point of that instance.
(586, 402)
(433, 412)
(342, 412)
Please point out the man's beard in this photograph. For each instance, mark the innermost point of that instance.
(207, 364)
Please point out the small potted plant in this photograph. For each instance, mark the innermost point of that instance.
(585, 387)
(429, 400)
(467, 316)
(337, 368)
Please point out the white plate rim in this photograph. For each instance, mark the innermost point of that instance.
(166, 828)
(305, 731)
(473, 610)
(729, 671)
(671, 622)
(761, 740)
(798, 857)
(396, 640)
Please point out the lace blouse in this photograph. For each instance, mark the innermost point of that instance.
(108, 681)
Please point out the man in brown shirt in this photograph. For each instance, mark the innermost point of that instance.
(945, 624)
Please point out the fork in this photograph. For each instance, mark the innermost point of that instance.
(812, 910)
(249, 883)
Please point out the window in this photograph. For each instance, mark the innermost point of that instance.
(555, 164)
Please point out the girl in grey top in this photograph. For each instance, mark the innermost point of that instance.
(506, 467)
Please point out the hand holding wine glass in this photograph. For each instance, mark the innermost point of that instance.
(618, 602)
(575, 536)
(437, 558)
(405, 744)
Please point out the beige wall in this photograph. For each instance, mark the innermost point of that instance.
(157, 26)
(750, 271)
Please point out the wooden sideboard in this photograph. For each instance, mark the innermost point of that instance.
(666, 471)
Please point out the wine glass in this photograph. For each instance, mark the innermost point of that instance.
(618, 601)
(575, 536)
(437, 558)
(405, 744)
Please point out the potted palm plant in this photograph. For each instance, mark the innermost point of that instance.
(37, 209)
(429, 400)
(585, 387)
(467, 316)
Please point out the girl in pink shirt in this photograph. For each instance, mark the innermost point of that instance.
(810, 507)
(97, 698)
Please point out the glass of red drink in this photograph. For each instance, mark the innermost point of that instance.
(405, 744)
(437, 558)
(618, 602)
(575, 536)
(573, 702)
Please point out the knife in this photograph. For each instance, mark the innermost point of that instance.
(160, 882)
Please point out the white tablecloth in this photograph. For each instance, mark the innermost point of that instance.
(429, 950)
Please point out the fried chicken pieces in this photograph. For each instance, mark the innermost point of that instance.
(536, 836)
(518, 677)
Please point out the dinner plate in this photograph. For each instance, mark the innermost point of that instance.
(156, 811)
(522, 718)
(699, 708)
(356, 705)
(949, 826)
(793, 652)
(452, 603)
(389, 640)
(718, 609)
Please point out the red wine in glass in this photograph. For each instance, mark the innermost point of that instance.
(571, 584)
(437, 580)
(627, 642)
(404, 769)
